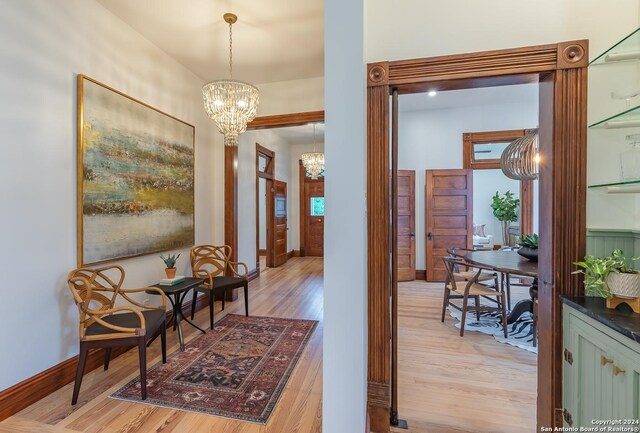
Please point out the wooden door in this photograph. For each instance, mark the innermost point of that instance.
(279, 228)
(406, 225)
(314, 218)
(449, 215)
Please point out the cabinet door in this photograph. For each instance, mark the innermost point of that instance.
(625, 370)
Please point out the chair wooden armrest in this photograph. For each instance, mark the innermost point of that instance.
(205, 275)
(124, 293)
(246, 269)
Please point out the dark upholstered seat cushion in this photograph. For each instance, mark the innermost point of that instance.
(152, 318)
(224, 283)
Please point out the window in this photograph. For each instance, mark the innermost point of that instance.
(317, 206)
(482, 150)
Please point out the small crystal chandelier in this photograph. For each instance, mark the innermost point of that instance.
(313, 161)
(231, 103)
(521, 158)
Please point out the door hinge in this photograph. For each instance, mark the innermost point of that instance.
(567, 417)
(568, 356)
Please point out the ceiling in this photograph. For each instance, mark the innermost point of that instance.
(521, 93)
(275, 40)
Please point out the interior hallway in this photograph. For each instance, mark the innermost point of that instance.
(453, 384)
(294, 290)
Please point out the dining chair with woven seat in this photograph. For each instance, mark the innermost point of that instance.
(457, 288)
(466, 271)
(105, 325)
(211, 262)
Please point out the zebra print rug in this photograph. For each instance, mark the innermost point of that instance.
(520, 333)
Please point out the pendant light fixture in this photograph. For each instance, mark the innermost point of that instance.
(521, 158)
(230, 103)
(313, 161)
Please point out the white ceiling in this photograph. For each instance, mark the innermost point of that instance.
(526, 93)
(274, 40)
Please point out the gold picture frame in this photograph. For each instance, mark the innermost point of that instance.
(136, 177)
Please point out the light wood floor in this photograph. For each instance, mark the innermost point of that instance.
(293, 291)
(453, 384)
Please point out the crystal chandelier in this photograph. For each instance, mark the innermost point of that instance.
(313, 161)
(231, 103)
(520, 159)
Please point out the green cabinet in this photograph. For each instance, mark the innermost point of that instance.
(601, 372)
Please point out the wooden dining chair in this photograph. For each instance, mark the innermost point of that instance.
(466, 271)
(456, 288)
(211, 262)
(105, 325)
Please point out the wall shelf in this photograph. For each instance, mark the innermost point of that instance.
(626, 50)
(628, 187)
(627, 119)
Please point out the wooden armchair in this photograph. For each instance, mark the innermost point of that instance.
(211, 262)
(459, 288)
(105, 325)
(466, 271)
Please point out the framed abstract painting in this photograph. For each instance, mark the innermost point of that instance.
(135, 177)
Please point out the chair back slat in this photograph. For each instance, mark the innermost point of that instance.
(90, 287)
(209, 260)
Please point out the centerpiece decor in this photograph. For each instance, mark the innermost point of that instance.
(505, 210)
(528, 247)
(170, 261)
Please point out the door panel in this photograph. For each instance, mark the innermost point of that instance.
(406, 243)
(449, 215)
(314, 217)
(279, 194)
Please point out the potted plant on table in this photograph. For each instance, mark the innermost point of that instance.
(609, 276)
(170, 262)
(528, 247)
(505, 210)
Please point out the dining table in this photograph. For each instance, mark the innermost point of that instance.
(508, 263)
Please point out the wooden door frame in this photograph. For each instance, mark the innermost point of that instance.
(231, 175)
(526, 186)
(304, 217)
(561, 71)
(268, 174)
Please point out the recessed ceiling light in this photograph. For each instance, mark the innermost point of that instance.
(432, 93)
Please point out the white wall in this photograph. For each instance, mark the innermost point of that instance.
(344, 390)
(432, 139)
(44, 45)
(295, 96)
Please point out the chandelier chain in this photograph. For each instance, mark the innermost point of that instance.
(230, 51)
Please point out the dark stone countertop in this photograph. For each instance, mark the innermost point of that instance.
(621, 319)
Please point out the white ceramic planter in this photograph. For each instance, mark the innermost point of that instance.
(624, 285)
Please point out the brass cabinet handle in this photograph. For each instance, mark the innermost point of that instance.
(604, 360)
(617, 370)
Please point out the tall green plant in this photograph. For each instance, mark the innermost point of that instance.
(505, 207)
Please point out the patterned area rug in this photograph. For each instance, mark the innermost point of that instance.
(520, 333)
(237, 371)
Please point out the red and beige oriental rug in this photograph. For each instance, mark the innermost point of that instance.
(237, 371)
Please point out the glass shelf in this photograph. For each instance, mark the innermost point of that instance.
(629, 186)
(628, 49)
(627, 119)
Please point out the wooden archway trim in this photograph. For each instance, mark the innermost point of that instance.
(561, 70)
(231, 174)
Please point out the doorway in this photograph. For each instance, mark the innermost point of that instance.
(311, 213)
(560, 70)
(265, 171)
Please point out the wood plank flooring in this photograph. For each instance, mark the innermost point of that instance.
(453, 384)
(292, 291)
(448, 384)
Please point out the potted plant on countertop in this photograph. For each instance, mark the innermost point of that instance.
(170, 262)
(505, 210)
(610, 276)
(528, 247)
